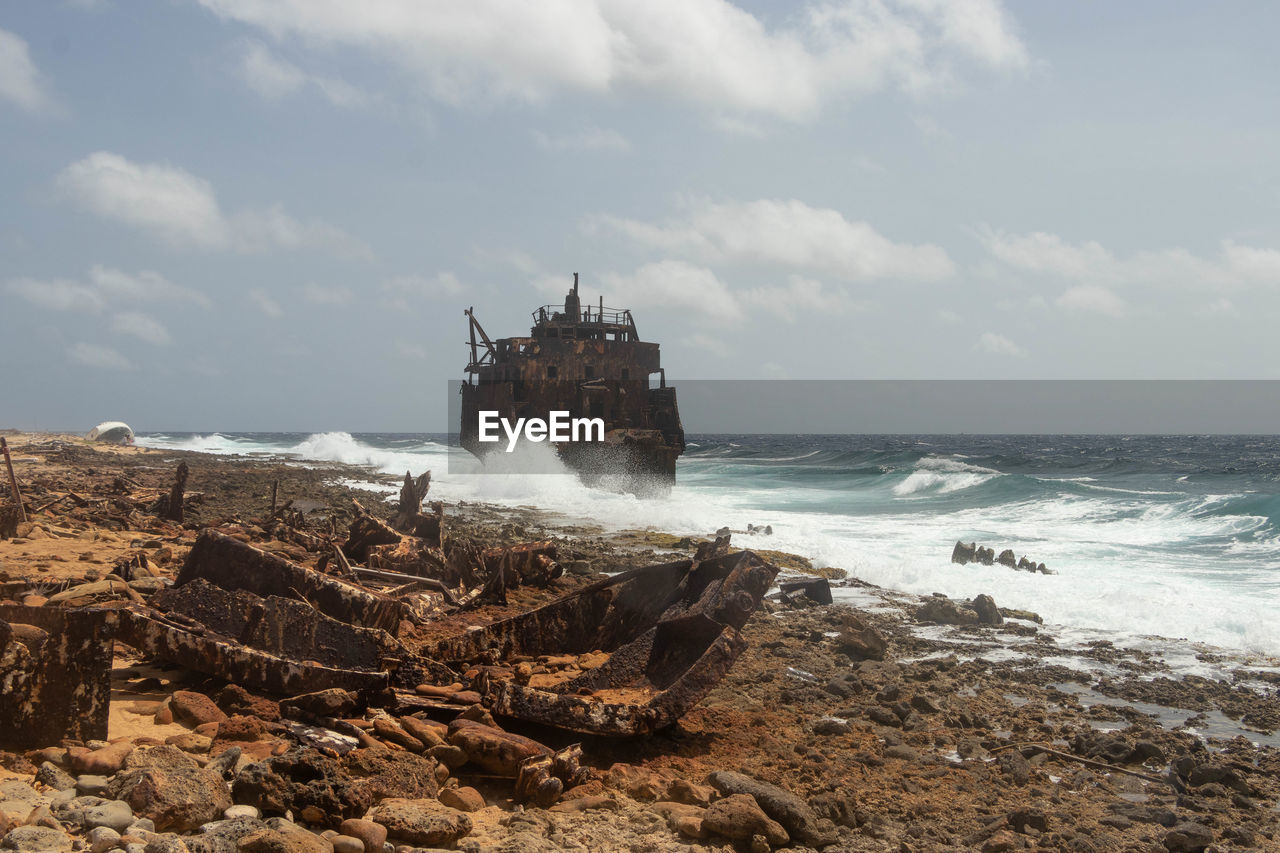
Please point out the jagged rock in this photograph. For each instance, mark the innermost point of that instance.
(425, 822)
(179, 798)
(740, 818)
(944, 611)
(1188, 837)
(1007, 558)
(860, 641)
(223, 836)
(298, 780)
(164, 757)
(234, 699)
(169, 842)
(988, 614)
(333, 702)
(55, 777)
(963, 553)
(778, 803)
(384, 773)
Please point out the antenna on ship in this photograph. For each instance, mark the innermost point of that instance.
(572, 307)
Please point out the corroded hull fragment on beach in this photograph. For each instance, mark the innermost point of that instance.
(671, 632)
(55, 675)
(232, 564)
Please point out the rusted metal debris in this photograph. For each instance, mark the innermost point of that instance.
(671, 632)
(55, 670)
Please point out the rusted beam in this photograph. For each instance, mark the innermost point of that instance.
(13, 481)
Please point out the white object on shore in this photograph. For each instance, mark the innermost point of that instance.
(112, 432)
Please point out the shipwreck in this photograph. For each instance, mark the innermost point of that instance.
(589, 362)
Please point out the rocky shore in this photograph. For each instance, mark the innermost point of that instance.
(877, 722)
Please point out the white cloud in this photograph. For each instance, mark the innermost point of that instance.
(709, 343)
(995, 344)
(677, 287)
(20, 81)
(321, 295)
(182, 209)
(262, 300)
(706, 52)
(274, 78)
(92, 355)
(589, 139)
(141, 326)
(801, 297)
(1093, 266)
(1092, 298)
(789, 233)
(414, 352)
(143, 286)
(59, 294)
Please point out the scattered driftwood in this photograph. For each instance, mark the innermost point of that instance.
(1170, 780)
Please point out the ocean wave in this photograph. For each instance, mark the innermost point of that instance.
(943, 475)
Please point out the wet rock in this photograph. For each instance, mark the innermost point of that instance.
(424, 822)
(180, 798)
(988, 614)
(963, 553)
(778, 803)
(298, 780)
(36, 839)
(372, 835)
(944, 611)
(740, 818)
(193, 709)
(1188, 837)
(462, 799)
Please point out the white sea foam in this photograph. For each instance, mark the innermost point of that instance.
(941, 475)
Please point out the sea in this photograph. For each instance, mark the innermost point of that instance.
(1153, 541)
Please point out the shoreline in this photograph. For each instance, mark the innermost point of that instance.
(914, 749)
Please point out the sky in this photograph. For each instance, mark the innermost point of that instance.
(270, 214)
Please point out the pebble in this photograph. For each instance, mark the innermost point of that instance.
(92, 785)
(244, 810)
(114, 814)
(346, 844)
(372, 835)
(102, 838)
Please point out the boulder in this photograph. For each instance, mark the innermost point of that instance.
(223, 836)
(423, 822)
(944, 611)
(178, 799)
(494, 750)
(113, 814)
(988, 614)
(740, 818)
(1007, 558)
(778, 803)
(234, 699)
(384, 773)
(298, 781)
(193, 709)
(102, 762)
(1188, 837)
(963, 553)
(36, 839)
(164, 757)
